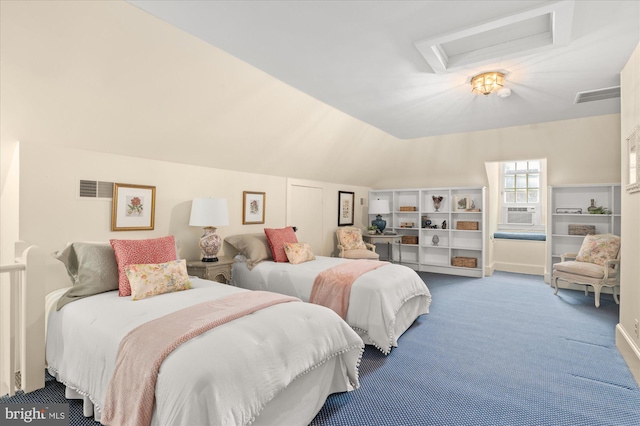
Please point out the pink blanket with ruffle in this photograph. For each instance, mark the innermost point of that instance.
(131, 393)
(332, 287)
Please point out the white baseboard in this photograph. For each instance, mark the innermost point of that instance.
(629, 350)
(519, 268)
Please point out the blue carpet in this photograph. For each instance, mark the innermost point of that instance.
(497, 351)
(501, 350)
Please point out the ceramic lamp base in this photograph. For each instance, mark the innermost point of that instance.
(210, 244)
(379, 223)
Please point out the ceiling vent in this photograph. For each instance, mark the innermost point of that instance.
(95, 189)
(597, 95)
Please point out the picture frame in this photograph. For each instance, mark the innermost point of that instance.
(569, 210)
(633, 161)
(133, 207)
(461, 202)
(253, 207)
(345, 208)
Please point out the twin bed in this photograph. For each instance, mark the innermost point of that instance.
(276, 365)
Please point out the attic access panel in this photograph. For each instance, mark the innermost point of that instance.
(515, 35)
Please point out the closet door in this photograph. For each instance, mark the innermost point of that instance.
(305, 212)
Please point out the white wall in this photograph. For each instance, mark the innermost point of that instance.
(627, 341)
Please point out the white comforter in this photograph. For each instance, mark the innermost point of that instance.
(226, 376)
(382, 305)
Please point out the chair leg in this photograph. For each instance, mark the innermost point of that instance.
(555, 284)
(615, 295)
(596, 293)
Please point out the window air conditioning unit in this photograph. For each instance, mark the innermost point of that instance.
(520, 215)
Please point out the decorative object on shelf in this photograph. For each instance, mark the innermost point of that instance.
(465, 262)
(437, 200)
(345, 208)
(461, 202)
(253, 207)
(487, 83)
(406, 224)
(582, 229)
(598, 210)
(209, 213)
(409, 239)
(408, 209)
(133, 207)
(467, 225)
(444, 224)
(435, 240)
(565, 210)
(592, 207)
(379, 207)
(425, 222)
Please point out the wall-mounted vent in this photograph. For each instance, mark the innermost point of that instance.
(520, 215)
(95, 189)
(598, 95)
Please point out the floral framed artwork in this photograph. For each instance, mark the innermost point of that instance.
(345, 208)
(253, 207)
(633, 158)
(462, 202)
(133, 207)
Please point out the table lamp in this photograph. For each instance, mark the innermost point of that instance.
(379, 207)
(209, 213)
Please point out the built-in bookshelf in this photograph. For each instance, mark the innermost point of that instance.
(412, 214)
(569, 205)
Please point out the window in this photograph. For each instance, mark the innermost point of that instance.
(521, 182)
(521, 194)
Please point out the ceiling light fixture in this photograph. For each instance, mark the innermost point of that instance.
(487, 82)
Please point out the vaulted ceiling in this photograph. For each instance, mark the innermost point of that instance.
(405, 66)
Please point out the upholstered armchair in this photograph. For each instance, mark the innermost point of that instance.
(351, 245)
(597, 264)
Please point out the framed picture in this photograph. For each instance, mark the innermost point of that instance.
(569, 210)
(133, 207)
(633, 157)
(462, 202)
(345, 208)
(253, 206)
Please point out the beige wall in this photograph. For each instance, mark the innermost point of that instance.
(118, 85)
(52, 214)
(106, 76)
(626, 339)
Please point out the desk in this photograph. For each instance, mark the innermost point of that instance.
(389, 239)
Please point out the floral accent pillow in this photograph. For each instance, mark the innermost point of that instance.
(277, 238)
(599, 248)
(351, 239)
(157, 278)
(135, 252)
(298, 252)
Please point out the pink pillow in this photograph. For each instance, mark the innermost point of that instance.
(277, 238)
(135, 252)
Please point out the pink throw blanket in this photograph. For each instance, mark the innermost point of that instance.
(332, 287)
(131, 393)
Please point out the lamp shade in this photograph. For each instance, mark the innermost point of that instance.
(209, 212)
(379, 207)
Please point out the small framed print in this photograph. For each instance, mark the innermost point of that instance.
(633, 159)
(462, 202)
(345, 208)
(133, 207)
(253, 207)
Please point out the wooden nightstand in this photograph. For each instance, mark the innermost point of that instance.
(219, 271)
